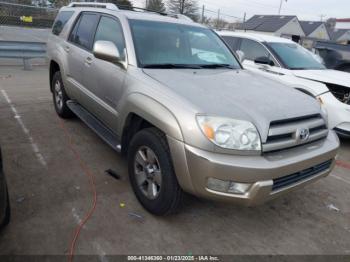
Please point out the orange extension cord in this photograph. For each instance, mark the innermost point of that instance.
(88, 173)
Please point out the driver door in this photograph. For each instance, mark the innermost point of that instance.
(254, 51)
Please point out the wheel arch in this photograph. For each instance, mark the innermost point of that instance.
(141, 111)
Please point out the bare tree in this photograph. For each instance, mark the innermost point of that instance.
(122, 4)
(156, 5)
(59, 3)
(185, 7)
(219, 23)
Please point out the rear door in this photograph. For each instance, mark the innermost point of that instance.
(79, 47)
(105, 79)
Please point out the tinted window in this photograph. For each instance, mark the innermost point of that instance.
(169, 43)
(60, 21)
(232, 42)
(295, 56)
(110, 30)
(84, 30)
(253, 50)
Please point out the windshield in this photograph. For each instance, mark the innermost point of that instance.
(295, 57)
(169, 45)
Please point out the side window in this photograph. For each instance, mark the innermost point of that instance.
(232, 42)
(253, 50)
(84, 29)
(60, 21)
(110, 29)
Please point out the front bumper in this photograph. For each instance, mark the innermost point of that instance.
(259, 171)
(338, 114)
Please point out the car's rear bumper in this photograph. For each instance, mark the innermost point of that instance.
(261, 172)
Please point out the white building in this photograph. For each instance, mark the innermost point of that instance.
(343, 23)
(278, 25)
(314, 29)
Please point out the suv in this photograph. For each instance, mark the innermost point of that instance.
(169, 94)
(4, 198)
(285, 61)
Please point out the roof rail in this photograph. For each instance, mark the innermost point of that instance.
(94, 4)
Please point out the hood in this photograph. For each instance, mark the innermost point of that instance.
(327, 76)
(238, 94)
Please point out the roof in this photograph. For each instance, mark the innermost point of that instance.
(255, 36)
(266, 23)
(310, 26)
(343, 20)
(337, 33)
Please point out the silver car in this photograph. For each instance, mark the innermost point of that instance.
(170, 95)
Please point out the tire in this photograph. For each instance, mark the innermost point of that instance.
(7, 217)
(60, 97)
(150, 166)
(346, 69)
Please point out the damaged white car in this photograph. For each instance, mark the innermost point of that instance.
(286, 61)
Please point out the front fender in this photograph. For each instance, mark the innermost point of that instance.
(153, 112)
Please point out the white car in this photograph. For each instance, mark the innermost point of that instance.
(286, 61)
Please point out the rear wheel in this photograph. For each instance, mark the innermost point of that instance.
(152, 174)
(60, 97)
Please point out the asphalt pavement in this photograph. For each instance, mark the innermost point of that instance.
(50, 194)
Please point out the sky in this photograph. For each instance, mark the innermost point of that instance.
(304, 9)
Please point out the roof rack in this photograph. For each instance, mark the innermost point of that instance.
(111, 6)
(94, 4)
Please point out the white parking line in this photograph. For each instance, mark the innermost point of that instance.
(341, 179)
(25, 130)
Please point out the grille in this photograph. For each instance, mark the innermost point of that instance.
(300, 176)
(286, 134)
(340, 92)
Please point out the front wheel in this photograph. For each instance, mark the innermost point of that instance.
(152, 174)
(60, 97)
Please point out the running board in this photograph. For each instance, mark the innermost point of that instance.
(96, 125)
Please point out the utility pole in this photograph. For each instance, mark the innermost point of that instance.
(281, 3)
(244, 18)
(203, 10)
(218, 21)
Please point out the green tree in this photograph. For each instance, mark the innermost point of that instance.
(185, 7)
(156, 5)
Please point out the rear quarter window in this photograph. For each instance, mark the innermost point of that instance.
(232, 42)
(60, 21)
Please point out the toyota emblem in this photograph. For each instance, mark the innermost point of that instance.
(304, 134)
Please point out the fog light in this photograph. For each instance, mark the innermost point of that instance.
(227, 186)
(238, 188)
(218, 185)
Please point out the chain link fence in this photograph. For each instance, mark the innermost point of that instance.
(25, 15)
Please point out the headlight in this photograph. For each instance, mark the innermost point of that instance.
(230, 133)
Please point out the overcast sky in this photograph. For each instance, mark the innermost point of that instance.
(304, 9)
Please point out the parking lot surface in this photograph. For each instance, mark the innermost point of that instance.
(50, 194)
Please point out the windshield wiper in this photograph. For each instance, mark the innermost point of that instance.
(213, 66)
(171, 66)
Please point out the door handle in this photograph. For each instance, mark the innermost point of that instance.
(67, 49)
(88, 60)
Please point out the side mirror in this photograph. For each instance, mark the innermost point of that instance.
(106, 50)
(241, 55)
(264, 61)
